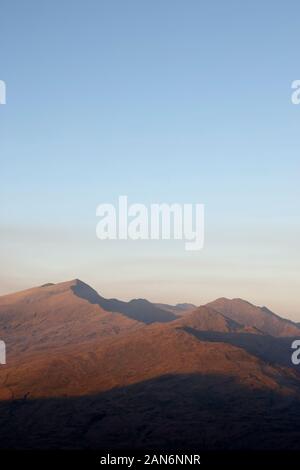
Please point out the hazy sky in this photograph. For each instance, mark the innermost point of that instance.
(163, 101)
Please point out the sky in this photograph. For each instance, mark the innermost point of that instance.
(162, 101)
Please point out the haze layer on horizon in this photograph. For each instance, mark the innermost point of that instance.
(163, 102)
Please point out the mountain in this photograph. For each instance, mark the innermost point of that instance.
(171, 389)
(150, 352)
(53, 316)
(80, 376)
(205, 318)
(262, 318)
(209, 325)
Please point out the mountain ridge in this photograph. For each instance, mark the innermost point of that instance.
(77, 373)
(251, 315)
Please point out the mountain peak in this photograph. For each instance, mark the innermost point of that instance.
(234, 299)
(78, 282)
(261, 318)
(207, 319)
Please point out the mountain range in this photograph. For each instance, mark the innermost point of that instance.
(84, 371)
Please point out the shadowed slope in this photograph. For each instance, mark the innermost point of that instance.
(170, 412)
(268, 348)
(207, 324)
(137, 309)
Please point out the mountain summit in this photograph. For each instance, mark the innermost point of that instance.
(262, 318)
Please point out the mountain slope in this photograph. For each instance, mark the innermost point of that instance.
(245, 313)
(78, 376)
(148, 353)
(52, 316)
(205, 318)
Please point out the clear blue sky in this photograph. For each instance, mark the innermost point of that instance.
(165, 101)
